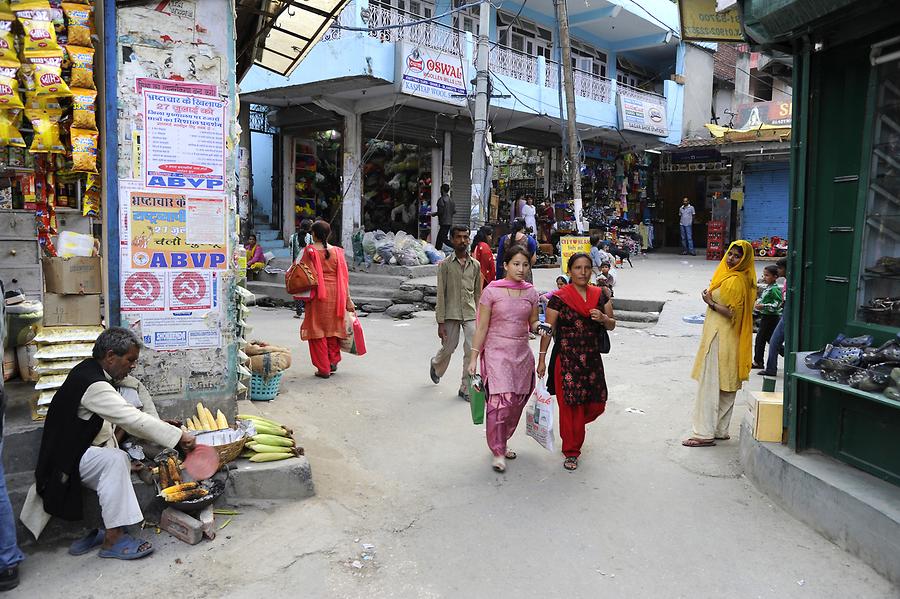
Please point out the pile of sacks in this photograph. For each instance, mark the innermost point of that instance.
(267, 360)
(398, 248)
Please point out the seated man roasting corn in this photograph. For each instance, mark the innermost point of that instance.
(79, 447)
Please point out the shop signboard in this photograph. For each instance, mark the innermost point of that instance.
(702, 22)
(180, 230)
(642, 115)
(751, 116)
(183, 141)
(571, 245)
(432, 74)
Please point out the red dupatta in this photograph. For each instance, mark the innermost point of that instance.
(343, 276)
(569, 294)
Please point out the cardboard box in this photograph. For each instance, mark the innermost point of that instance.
(768, 408)
(72, 275)
(72, 310)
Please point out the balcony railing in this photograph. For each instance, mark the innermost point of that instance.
(587, 85)
(435, 36)
(639, 94)
(344, 18)
(513, 63)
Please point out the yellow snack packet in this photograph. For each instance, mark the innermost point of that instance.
(82, 62)
(36, 102)
(84, 150)
(7, 40)
(40, 36)
(46, 75)
(80, 21)
(84, 108)
(18, 5)
(46, 132)
(9, 131)
(9, 89)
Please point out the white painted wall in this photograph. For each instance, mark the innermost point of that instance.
(722, 100)
(698, 90)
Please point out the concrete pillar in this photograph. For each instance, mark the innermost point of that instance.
(351, 214)
(741, 79)
(437, 178)
(288, 215)
(245, 173)
(547, 177)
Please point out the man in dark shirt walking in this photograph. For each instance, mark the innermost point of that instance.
(445, 211)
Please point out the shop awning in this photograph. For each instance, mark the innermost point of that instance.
(761, 133)
(278, 34)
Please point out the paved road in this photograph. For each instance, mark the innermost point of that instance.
(398, 465)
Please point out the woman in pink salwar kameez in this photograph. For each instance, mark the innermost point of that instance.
(507, 312)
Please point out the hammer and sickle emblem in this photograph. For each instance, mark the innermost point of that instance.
(190, 289)
(144, 290)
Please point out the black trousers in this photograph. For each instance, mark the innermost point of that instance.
(441, 240)
(767, 324)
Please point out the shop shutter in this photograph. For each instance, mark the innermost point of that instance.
(765, 200)
(461, 187)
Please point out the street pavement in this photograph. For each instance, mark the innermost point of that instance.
(408, 506)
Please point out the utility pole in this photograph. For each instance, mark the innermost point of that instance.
(562, 16)
(481, 189)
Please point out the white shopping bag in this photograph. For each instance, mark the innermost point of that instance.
(539, 416)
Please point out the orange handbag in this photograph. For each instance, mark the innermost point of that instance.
(299, 278)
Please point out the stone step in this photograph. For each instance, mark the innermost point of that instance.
(272, 289)
(632, 316)
(261, 218)
(377, 280)
(267, 234)
(280, 252)
(371, 291)
(374, 304)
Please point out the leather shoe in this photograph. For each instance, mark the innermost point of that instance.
(434, 377)
(9, 578)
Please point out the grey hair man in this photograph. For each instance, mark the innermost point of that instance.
(79, 448)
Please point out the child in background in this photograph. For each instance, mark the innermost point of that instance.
(769, 309)
(606, 277)
(561, 281)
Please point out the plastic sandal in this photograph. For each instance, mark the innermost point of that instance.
(126, 549)
(863, 341)
(92, 540)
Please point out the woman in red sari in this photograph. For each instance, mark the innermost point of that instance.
(578, 313)
(481, 251)
(323, 325)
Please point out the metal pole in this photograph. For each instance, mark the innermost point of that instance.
(562, 15)
(480, 188)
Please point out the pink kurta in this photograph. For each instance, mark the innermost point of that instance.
(507, 362)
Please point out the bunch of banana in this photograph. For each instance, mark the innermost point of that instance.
(204, 420)
(272, 441)
(183, 492)
(168, 473)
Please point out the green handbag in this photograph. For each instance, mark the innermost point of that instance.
(476, 399)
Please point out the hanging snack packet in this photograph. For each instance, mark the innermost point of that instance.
(84, 150)
(46, 131)
(91, 203)
(82, 62)
(9, 89)
(9, 131)
(46, 76)
(80, 20)
(7, 40)
(84, 107)
(18, 5)
(40, 36)
(36, 102)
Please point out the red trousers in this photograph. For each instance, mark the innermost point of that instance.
(325, 352)
(573, 419)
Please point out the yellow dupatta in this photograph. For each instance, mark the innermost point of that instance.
(737, 287)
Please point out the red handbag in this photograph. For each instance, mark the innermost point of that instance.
(299, 278)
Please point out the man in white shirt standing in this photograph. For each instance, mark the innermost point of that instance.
(687, 227)
(79, 448)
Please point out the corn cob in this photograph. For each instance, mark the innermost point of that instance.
(210, 419)
(260, 448)
(273, 440)
(265, 429)
(186, 495)
(174, 473)
(163, 475)
(256, 418)
(197, 425)
(270, 457)
(180, 487)
(190, 424)
(221, 421)
(201, 414)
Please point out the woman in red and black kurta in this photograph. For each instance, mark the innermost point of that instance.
(580, 315)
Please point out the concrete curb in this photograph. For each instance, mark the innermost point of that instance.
(854, 510)
(285, 479)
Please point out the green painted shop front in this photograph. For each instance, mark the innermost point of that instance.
(836, 103)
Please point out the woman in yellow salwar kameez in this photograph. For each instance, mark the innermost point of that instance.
(725, 356)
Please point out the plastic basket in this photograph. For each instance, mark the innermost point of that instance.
(264, 389)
